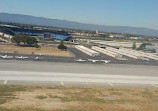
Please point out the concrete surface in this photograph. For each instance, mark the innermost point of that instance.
(23, 72)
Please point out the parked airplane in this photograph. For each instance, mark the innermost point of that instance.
(145, 59)
(21, 57)
(94, 61)
(37, 58)
(156, 54)
(6, 57)
(106, 61)
(80, 60)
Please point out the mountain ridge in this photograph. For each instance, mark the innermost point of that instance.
(42, 21)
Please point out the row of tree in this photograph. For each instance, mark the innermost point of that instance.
(143, 47)
(25, 39)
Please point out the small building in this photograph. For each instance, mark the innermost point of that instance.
(137, 38)
(116, 36)
(97, 32)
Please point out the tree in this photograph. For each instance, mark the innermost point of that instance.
(16, 39)
(31, 40)
(25, 39)
(62, 46)
(36, 45)
(134, 46)
(153, 51)
(143, 45)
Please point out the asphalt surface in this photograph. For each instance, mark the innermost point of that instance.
(47, 73)
(80, 55)
(66, 71)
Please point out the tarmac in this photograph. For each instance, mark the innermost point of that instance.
(80, 55)
(48, 73)
(50, 70)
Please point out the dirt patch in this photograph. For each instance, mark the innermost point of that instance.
(50, 51)
(28, 100)
(83, 99)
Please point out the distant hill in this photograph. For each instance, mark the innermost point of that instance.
(27, 19)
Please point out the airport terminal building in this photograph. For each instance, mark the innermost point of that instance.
(46, 35)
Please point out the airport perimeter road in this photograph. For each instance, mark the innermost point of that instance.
(13, 72)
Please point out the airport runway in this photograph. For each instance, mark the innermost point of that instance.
(23, 72)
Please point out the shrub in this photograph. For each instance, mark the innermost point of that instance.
(143, 45)
(134, 46)
(36, 45)
(62, 46)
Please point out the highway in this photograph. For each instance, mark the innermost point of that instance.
(44, 73)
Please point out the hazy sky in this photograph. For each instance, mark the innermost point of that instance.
(138, 13)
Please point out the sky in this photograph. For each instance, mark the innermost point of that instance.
(136, 13)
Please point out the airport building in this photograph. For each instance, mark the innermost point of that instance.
(47, 35)
(114, 43)
(116, 36)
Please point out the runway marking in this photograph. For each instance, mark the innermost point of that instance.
(62, 83)
(110, 84)
(5, 82)
(154, 85)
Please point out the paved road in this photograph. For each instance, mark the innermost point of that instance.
(20, 72)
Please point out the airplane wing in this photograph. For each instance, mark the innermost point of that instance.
(8, 57)
(80, 60)
(18, 57)
(25, 57)
(93, 60)
(37, 58)
(145, 59)
(106, 61)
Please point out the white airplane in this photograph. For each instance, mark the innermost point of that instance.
(94, 61)
(21, 57)
(6, 57)
(156, 54)
(145, 59)
(106, 61)
(80, 60)
(37, 58)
